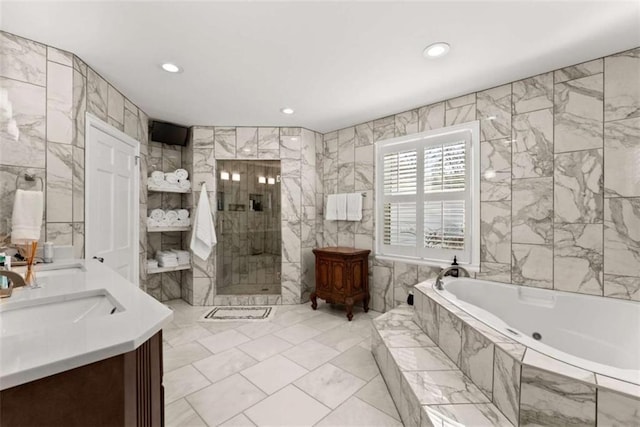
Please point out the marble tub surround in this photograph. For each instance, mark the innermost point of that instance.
(50, 90)
(301, 198)
(557, 152)
(426, 386)
(527, 387)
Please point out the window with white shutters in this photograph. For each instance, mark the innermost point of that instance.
(427, 195)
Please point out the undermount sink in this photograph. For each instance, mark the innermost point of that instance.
(52, 270)
(46, 313)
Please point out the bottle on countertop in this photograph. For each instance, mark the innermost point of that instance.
(5, 264)
(454, 273)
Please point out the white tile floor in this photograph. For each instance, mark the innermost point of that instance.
(302, 368)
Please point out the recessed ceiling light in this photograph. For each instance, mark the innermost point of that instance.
(171, 68)
(286, 110)
(436, 50)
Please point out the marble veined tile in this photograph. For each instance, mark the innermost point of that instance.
(354, 412)
(578, 114)
(495, 272)
(621, 88)
(131, 124)
(97, 94)
(346, 145)
(59, 183)
(59, 103)
(288, 407)
(495, 167)
(383, 128)
(364, 168)
(431, 117)
(183, 381)
(290, 147)
(79, 107)
(532, 210)
(531, 265)
(622, 158)
(364, 134)
(622, 237)
(477, 359)
(60, 233)
(202, 137)
(60, 56)
(477, 415)
(578, 258)
(622, 287)
(460, 101)
(443, 387)
(495, 232)
(359, 362)
(616, 409)
(268, 139)
(180, 413)
(548, 398)
(533, 144)
(406, 123)
(533, 93)
(225, 142)
(330, 385)
(22, 59)
(406, 338)
(578, 71)
(274, 373)
(225, 399)
(450, 334)
(506, 384)
(22, 135)
(115, 104)
(462, 114)
(578, 187)
(534, 359)
(494, 113)
(422, 359)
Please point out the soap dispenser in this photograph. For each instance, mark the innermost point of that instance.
(454, 272)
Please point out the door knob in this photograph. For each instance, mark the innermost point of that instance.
(99, 258)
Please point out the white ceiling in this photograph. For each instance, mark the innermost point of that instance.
(335, 63)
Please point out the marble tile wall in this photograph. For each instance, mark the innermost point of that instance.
(44, 94)
(301, 191)
(560, 196)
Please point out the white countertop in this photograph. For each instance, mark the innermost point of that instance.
(60, 346)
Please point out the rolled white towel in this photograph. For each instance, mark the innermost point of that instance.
(183, 214)
(156, 214)
(163, 222)
(155, 181)
(184, 184)
(157, 175)
(152, 223)
(181, 174)
(171, 178)
(171, 215)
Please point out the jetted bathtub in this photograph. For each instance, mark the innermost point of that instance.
(594, 333)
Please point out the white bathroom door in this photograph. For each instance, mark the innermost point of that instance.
(112, 198)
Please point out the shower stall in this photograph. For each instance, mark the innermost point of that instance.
(248, 220)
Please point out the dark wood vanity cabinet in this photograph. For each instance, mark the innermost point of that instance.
(123, 390)
(342, 277)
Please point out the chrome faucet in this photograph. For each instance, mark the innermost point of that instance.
(16, 282)
(444, 271)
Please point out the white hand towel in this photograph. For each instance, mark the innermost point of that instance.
(341, 206)
(182, 174)
(331, 211)
(26, 221)
(203, 236)
(354, 207)
(171, 178)
(157, 175)
(156, 214)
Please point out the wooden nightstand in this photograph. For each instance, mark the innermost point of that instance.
(342, 277)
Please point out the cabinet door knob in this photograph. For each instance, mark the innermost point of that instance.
(99, 258)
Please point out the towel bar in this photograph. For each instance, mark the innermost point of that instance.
(30, 178)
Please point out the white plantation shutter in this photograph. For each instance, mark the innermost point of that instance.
(425, 195)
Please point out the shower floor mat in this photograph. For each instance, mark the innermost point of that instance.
(233, 313)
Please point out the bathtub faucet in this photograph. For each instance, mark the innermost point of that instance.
(444, 271)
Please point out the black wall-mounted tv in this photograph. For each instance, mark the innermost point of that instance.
(168, 133)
